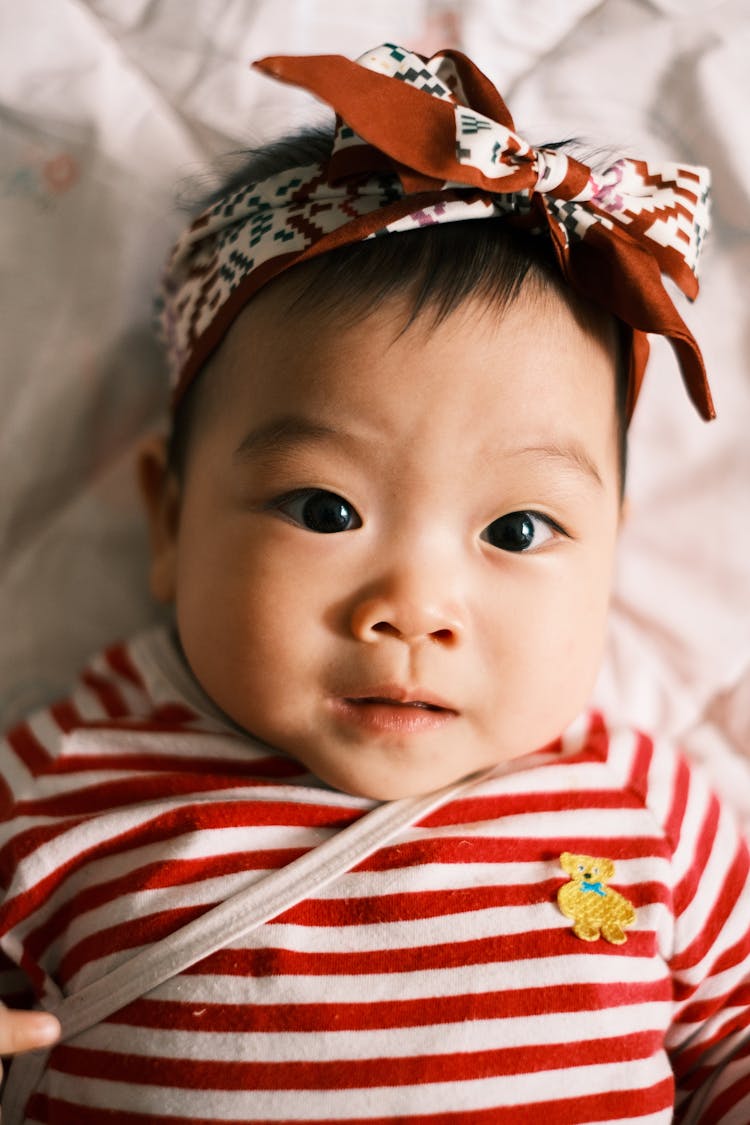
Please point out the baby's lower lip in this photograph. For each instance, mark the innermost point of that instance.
(389, 715)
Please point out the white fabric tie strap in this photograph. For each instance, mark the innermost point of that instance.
(219, 927)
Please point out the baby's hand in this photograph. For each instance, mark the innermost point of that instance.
(23, 1031)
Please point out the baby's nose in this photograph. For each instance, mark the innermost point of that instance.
(377, 617)
(413, 604)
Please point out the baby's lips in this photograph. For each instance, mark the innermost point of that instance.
(399, 694)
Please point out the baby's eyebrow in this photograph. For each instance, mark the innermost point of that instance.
(571, 453)
(279, 434)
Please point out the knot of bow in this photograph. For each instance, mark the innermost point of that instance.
(441, 126)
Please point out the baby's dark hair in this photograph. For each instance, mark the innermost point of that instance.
(436, 268)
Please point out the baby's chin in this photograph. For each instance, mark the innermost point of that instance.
(392, 779)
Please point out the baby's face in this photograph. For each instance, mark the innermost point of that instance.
(394, 550)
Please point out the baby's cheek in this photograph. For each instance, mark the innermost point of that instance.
(569, 657)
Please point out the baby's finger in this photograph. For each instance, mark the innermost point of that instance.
(23, 1031)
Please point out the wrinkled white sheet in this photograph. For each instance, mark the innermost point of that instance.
(110, 109)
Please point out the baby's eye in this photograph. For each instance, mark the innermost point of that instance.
(520, 531)
(319, 511)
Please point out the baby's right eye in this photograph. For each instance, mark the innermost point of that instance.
(317, 510)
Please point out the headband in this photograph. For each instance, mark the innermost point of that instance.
(420, 142)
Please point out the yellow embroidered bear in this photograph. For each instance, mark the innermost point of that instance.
(594, 907)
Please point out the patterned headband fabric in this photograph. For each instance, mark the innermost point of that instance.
(420, 142)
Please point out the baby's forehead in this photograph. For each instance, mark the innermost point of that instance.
(288, 355)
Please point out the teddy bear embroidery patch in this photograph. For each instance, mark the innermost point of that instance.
(596, 910)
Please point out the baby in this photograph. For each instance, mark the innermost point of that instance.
(337, 845)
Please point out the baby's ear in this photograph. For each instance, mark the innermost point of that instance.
(160, 492)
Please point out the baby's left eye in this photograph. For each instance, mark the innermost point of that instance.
(520, 531)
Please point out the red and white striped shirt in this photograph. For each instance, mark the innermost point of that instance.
(437, 982)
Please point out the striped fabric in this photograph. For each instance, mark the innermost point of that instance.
(438, 982)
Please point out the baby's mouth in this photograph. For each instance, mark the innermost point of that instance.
(394, 710)
(365, 700)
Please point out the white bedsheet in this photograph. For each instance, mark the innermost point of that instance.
(110, 109)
